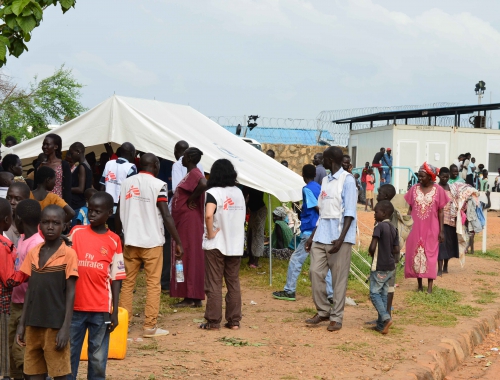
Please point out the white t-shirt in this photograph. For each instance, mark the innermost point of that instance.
(230, 218)
(141, 218)
(179, 172)
(115, 172)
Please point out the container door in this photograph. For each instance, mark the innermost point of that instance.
(407, 156)
(436, 153)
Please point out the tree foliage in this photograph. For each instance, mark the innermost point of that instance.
(19, 18)
(25, 113)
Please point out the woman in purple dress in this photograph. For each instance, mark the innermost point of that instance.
(188, 207)
(427, 201)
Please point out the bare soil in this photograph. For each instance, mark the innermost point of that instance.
(276, 343)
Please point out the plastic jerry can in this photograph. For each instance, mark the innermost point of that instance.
(117, 339)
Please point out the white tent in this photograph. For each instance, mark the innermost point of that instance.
(154, 126)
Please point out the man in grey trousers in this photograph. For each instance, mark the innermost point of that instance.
(331, 242)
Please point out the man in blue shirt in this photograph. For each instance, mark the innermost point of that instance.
(387, 161)
(331, 242)
(308, 218)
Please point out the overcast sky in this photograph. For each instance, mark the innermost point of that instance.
(287, 58)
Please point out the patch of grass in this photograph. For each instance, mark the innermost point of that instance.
(308, 310)
(153, 346)
(480, 272)
(441, 308)
(287, 320)
(237, 342)
(485, 296)
(351, 346)
(492, 255)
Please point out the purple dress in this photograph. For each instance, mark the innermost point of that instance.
(422, 245)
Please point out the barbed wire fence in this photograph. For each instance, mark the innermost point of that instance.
(322, 130)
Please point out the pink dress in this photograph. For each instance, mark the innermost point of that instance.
(422, 245)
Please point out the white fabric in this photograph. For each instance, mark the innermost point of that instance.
(114, 175)
(179, 172)
(230, 218)
(155, 127)
(330, 198)
(3, 192)
(141, 218)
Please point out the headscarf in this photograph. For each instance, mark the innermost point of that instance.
(429, 169)
(280, 212)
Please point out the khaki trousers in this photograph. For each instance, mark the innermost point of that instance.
(153, 261)
(339, 263)
(218, 266)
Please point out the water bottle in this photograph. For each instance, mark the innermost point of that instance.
(179, 271)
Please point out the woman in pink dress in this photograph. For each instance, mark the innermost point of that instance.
(188, 208)
(427, 201)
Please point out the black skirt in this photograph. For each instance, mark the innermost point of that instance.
(449, 249)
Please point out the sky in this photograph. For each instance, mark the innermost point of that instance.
(278, 58)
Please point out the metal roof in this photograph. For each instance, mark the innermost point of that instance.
(286, 135)
(420, 113)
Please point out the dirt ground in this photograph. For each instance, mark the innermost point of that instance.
(275, 343)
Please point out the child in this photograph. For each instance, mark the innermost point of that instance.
(17, 192)
(100, 260)
(483, 182)
(45, 180)
(82, 214)
(26, 219)
(370, 186)
(44, 328)
(6, 179)
(7, 254)
(364, 173)
(384, 248)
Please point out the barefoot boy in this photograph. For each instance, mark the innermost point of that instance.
(44, 328)
(100, 260)
(383, 248)
(370, 186)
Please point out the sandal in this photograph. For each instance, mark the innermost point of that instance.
(208, 326)
(231, 326)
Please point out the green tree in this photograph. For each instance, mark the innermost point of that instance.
(19, 18)
(26, 113)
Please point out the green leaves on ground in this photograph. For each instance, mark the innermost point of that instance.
(25, 113)
(237, 342)
(19, 18)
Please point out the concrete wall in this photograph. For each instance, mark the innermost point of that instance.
(297, 155)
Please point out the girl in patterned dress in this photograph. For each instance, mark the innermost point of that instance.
(427, 201)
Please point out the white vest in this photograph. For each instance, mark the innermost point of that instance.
(330, 198)
(114, 174)
(141, 218)
(230, 218)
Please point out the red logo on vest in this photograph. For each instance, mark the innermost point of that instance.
(323, 194)
(228, 202)
(132, 191)
(110, 177)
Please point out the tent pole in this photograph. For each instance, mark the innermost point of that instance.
(270, 216)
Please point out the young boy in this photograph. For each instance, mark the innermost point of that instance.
(44, 328)
(82, 214)
(483, 182)
(100, 260)
(26, 219)
(81, 177)
(45, 180)
(370, 186)
(6, 179)
(18, 191)
(384, 247)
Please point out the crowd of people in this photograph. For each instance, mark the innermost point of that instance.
(63, 272)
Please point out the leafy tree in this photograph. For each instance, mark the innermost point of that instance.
(26, 113)
(19, 18)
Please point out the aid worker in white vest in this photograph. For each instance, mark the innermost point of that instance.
(143, 212)
(331, 242)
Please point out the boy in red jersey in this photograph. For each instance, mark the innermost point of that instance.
(101, 269)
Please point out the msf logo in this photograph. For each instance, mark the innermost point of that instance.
(323, 194)
(228, 202)
(133, 191)
(111, 177)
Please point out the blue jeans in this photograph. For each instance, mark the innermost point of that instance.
(295, 267)
(386, 175)
(379, 287)
(98, 343)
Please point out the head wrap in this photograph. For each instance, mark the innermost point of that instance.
(429, 169)
(280, 212)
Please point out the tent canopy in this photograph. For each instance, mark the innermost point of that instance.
(154, 126)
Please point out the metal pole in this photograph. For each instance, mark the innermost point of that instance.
(270, 216)
(245, 124)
